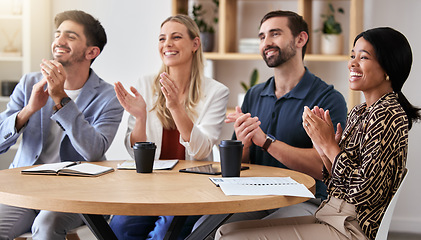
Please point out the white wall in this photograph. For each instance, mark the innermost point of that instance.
(133, 26)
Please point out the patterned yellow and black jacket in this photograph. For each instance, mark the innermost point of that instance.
(369, 168)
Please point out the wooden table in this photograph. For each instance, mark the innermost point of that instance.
(125, 192)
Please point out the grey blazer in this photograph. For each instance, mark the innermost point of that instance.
(89, 124)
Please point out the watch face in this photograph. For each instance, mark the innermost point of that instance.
(65, 100)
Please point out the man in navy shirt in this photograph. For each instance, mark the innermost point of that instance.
(269, 122)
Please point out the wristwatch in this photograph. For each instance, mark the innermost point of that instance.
(63, 102)
(269, 140)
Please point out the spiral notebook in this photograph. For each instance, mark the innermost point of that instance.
(262, 186)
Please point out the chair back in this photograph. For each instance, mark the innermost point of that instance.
(387, 218)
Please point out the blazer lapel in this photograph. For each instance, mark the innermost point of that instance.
(88, 92)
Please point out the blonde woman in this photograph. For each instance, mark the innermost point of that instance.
(179, 109)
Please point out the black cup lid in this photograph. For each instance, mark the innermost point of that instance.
(144, 145)
(230, 143)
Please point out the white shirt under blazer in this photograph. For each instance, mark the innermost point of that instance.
(206, 131)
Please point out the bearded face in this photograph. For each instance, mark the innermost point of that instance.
(69, 46)
(274, 56)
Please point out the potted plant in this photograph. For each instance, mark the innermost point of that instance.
(254, 79)
(332, 38)
(207, 31)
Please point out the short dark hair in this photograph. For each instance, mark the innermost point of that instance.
(394, 54)
(93, 30)
(296, 23)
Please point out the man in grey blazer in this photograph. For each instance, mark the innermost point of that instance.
(63, 113)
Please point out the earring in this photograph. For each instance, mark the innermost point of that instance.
(387, 78)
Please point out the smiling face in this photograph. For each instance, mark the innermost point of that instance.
(69, 45)
(176, 48)
(277, 44)
(366, 74)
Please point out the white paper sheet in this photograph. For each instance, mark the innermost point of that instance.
(157, 164)
(262, 186)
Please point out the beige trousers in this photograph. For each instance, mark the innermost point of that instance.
(335, 219)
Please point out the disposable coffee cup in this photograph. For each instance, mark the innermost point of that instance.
(144, 155)
(231, 153)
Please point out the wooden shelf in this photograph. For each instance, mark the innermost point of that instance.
(4, 99)
(10, 59)
(10, 17)
(230, 110)
(231, 56)
(32, 40)
(245, 56)
(227, 41)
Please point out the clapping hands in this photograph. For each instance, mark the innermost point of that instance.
(246, 127)
(319, 127)
(135, 105)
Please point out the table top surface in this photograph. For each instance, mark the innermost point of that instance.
(125, 192)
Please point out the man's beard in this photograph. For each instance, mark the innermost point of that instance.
(283, 56)
(75, 58)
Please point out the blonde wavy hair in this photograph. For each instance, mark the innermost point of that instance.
(196, 76)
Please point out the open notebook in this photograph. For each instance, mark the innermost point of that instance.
(69, 168)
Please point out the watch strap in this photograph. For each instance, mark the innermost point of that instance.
(63, 102)
(269, 140)
(57, 107)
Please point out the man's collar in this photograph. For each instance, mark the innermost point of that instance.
(299, 91)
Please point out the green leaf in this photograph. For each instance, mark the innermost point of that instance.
(330, 25)
(199, 13)
(331, 8)
(245, 87)
(254, 78)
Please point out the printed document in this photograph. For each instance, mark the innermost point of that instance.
(262, 186)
